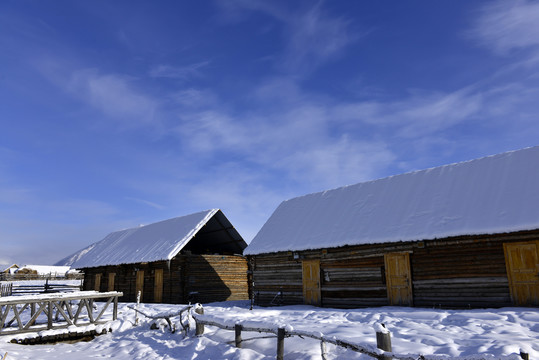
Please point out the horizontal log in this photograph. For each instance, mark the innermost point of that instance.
(459, 282)
(353, 288)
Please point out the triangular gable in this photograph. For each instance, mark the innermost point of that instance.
(158, 241)
(495, 194)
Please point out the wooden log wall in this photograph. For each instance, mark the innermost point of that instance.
(195, 278)
(466, 274)
(457, 272)
(216, 278)
(349, 277)
(275, 274)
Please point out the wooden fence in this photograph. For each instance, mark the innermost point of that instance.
(6, 289)
(383, 339)
(24, 277)
(73, 309)
(23, 289)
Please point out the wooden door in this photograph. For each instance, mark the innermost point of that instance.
(139, 285)
(112, 276)
(522, 263)
(97, 282)
(158, 286)
(398, 279)
(311, 282)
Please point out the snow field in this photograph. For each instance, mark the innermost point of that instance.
(491, 333)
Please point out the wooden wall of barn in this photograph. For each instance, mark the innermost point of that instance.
(457, 272)
(187, 278)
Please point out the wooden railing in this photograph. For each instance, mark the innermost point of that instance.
(19, 314)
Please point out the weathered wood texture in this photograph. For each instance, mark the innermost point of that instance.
(187, 278)
(456, 272)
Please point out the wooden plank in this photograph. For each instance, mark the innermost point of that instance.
(311, 282)
(42, 307)
(522, 262)
(111, 279)
(398, 277)
(158, 286)
(61, 311)
(103, 309)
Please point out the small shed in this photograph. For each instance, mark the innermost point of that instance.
(461, 235)
(10, 269)
(196, 257)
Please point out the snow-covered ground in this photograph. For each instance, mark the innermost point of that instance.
(500, 333)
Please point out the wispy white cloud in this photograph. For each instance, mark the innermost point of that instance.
(194, 98)
(146, 202)
(418, 115)
(311, 34)
(297, 137)
(178, 72)
(315, 37)
(508, 25)
(114, 95)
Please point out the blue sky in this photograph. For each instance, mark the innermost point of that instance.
(120, 113)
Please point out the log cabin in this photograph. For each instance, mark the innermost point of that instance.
(463, 235)
(192, 258)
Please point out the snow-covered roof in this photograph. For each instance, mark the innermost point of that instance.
(494, 194)
(159, 241)
(10, 268)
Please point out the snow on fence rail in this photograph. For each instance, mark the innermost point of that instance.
(383, 339)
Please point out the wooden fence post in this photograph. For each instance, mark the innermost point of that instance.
(115, 309)
(136, 307)
(323, 350)
(237, 338)
(49, 316)
(383, 340)
(280, 343)
(199, 327)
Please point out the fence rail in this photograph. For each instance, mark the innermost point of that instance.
(383, 339)
(23, 289)
(23, 277)
(70, 310)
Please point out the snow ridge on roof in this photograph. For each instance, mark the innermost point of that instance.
(158, 241)
(494, 194)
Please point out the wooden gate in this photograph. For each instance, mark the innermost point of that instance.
(97, 282)
(311, 282)
(112, 277)
(522, 263)
(398, 279)
(158, 286)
